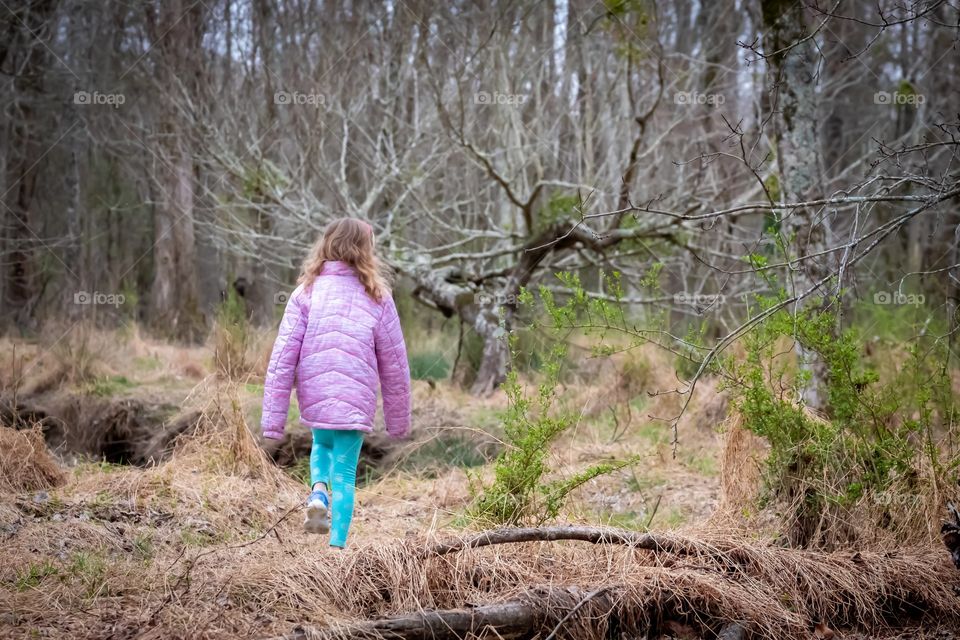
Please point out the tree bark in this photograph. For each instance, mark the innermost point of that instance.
(507, 620)
(174, 284)
(179, 31)
(793, 57)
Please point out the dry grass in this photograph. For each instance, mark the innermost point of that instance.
(25, 463)
(775, 593)
(206, 546)
(908, 512)
(741, 467)
(223, 442)
(105, 553)
(208, 543)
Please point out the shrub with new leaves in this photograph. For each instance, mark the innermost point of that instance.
(522, 490)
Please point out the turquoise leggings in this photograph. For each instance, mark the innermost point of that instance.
(333, 461)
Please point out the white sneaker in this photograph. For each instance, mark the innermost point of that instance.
(317, 519)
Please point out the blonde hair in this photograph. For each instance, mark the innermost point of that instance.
(347, 240)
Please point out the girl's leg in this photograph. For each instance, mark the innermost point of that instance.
(317, 518)
(321, 458)
(346, 453)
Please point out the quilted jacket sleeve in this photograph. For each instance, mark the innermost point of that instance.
(283, 366)
(394, 371)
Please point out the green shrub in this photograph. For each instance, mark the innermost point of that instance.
(429, 366)
(521, 491)
(877, 436)
(882, 452)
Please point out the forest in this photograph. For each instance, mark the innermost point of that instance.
(678, 282)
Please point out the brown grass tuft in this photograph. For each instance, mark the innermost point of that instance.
(222, 442)
(741, 464)
(25, 463)
(774, 592)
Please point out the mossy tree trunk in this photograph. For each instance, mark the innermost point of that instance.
(793, 62)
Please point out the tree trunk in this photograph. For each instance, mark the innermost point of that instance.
(25, 62)
(792, 58)
(179, 32)
(174, 284)
(493, 328)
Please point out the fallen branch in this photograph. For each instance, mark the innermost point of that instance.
(722, 587)
(593, 535)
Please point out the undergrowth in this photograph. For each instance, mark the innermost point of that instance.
(234, 338)
(878, 444)
(523, 490)
(880, 456)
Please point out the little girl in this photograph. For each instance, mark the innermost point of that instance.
(339, 338)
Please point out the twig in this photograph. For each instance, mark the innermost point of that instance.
(580, 604)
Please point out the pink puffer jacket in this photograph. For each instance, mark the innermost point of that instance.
(339, 344)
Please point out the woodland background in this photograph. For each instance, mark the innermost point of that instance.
(679, 283)
(165, 153)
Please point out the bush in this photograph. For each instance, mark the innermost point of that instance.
(520, 492)
(881, 459)
(876, 442)
(432, 365)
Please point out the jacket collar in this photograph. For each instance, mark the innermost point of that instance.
(336, 268)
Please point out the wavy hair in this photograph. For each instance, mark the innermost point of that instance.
(348, 240)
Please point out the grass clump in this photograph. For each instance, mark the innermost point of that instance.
(33, 575)
(108, 386)
(25, 462)
(447, 450)
(90, 569)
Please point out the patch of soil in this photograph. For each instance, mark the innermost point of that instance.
(127, 431)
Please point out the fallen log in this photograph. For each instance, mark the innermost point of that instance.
(558, 612)
(506, 620)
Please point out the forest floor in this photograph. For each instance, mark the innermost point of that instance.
(207, 542)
